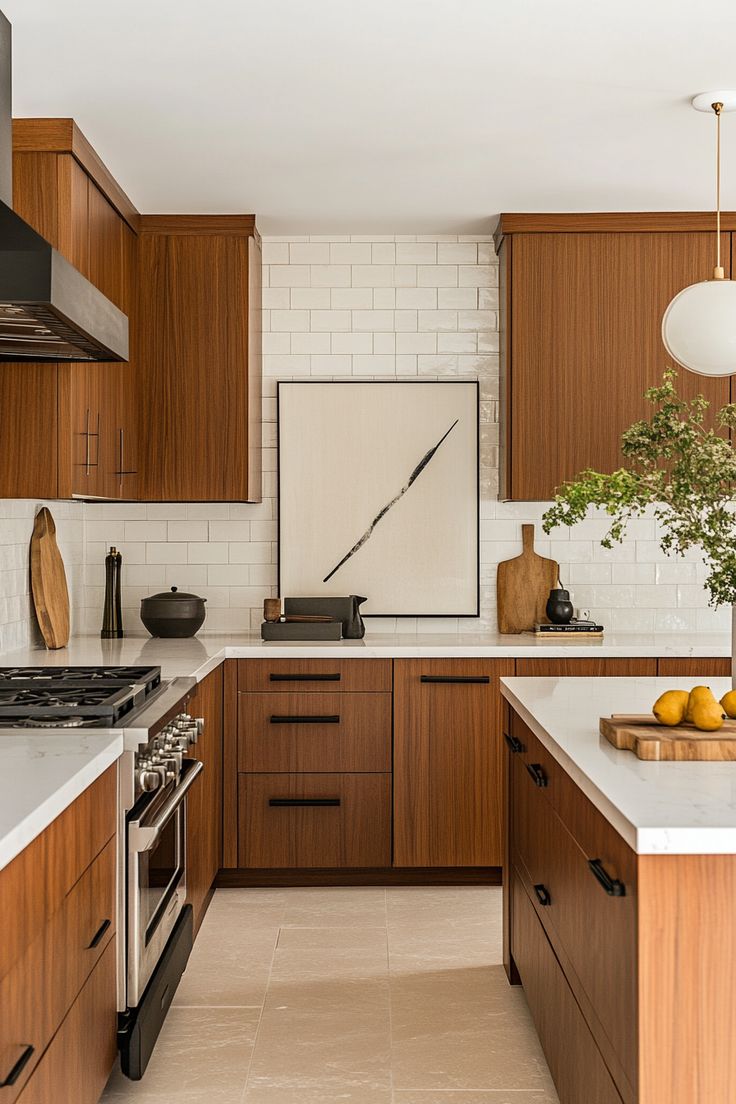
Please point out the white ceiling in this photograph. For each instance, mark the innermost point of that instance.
(403, 116)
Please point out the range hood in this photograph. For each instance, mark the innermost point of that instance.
(48, 309)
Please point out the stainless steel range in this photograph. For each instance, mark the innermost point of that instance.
(154, 776)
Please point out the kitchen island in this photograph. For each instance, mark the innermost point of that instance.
(620, 898)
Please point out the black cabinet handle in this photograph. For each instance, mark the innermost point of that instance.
(97, 937)
(304, 678)
(537, 772)
(612, 886)
(330, 718)
(455, 678)
(283, 802)
(542, 894)
(18, 1068)
(515, 744)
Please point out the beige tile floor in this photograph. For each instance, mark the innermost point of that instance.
(356, 996)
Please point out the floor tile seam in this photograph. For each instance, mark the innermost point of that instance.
(260, 1018)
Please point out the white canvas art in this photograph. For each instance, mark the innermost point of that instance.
(378, 495)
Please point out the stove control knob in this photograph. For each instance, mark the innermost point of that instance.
(148, 780)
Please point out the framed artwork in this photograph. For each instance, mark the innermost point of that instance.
(379, 496)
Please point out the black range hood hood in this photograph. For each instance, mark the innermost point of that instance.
(48, 309)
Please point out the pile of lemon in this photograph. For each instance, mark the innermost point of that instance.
(697, 707)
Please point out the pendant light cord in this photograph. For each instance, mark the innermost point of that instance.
(718, 107)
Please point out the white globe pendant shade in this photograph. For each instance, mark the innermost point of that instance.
(699, 328)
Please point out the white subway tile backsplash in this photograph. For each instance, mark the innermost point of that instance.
(362, 306)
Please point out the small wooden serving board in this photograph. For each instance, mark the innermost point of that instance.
(655, 742)
(523, 586)
(48, 582)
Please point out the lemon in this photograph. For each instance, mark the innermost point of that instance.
(707, 715)
(728, 701)
(669, 708)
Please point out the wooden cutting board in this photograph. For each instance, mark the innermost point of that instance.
(655, 742)
(523, 587)
(48, 582)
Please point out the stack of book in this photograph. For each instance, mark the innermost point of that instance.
(580, 628)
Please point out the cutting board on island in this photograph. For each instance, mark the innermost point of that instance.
(523, 586)
(657, 743)
(48, 582)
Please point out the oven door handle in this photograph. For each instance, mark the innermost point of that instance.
(142, 837)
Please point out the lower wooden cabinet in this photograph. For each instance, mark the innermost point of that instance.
(204, 802)
(576, 1064)
(77, 1064)
(586, 668)
(448, 762)
(58, 982)
(314, 820)
(713, 667)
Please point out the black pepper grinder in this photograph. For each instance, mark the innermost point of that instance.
(112, 621)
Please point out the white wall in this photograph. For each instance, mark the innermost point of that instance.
(369, 308)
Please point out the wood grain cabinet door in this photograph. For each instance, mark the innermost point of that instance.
(204, 803)
(585, 343)
(448, 789)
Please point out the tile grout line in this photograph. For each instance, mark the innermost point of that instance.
(263, 1006)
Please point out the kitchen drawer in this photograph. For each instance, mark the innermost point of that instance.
(586, 668)
(37, 993)
(38, 880)
(314, 732)
(594, 930)
(77, 1064)
(314, 820)
(315, 675)
(576, 1064)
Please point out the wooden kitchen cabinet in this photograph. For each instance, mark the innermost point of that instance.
(198, 346)
(713, 667)
(204, 803)
(58, 985)
(582, 299)
(621, 955)
(63, 433)
(448, 762)
(307, 755)
(586, 668)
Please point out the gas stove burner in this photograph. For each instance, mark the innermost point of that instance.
(118, 676)
(55, 722)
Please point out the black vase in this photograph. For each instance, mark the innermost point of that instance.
(559, 607)
(354, 627)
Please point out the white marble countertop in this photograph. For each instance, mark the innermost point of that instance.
(41, 774)
(199, 655)
(658, 808)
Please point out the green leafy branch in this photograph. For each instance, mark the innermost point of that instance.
(677, 470)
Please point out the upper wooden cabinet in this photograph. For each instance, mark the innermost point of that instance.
(198, 346)
(182, 419)
(62, 436)
(582, 299)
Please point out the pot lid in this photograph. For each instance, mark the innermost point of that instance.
(174, 595)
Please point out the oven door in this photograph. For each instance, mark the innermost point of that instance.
(156, 878)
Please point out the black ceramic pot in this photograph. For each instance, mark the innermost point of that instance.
(559, 607)
(172, 613)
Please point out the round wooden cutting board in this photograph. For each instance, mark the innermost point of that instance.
(48, 582)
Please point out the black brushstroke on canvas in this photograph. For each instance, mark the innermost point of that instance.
(382, 513)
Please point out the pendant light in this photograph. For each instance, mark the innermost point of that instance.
(699, 325)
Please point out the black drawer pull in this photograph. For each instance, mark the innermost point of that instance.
(18, 1068)
(612, 886)
(537, 772)
(97, 937)
(304, 678)
(542, 894)
(330, 718)
(284, 802)
(455, 678)
(515, 744)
